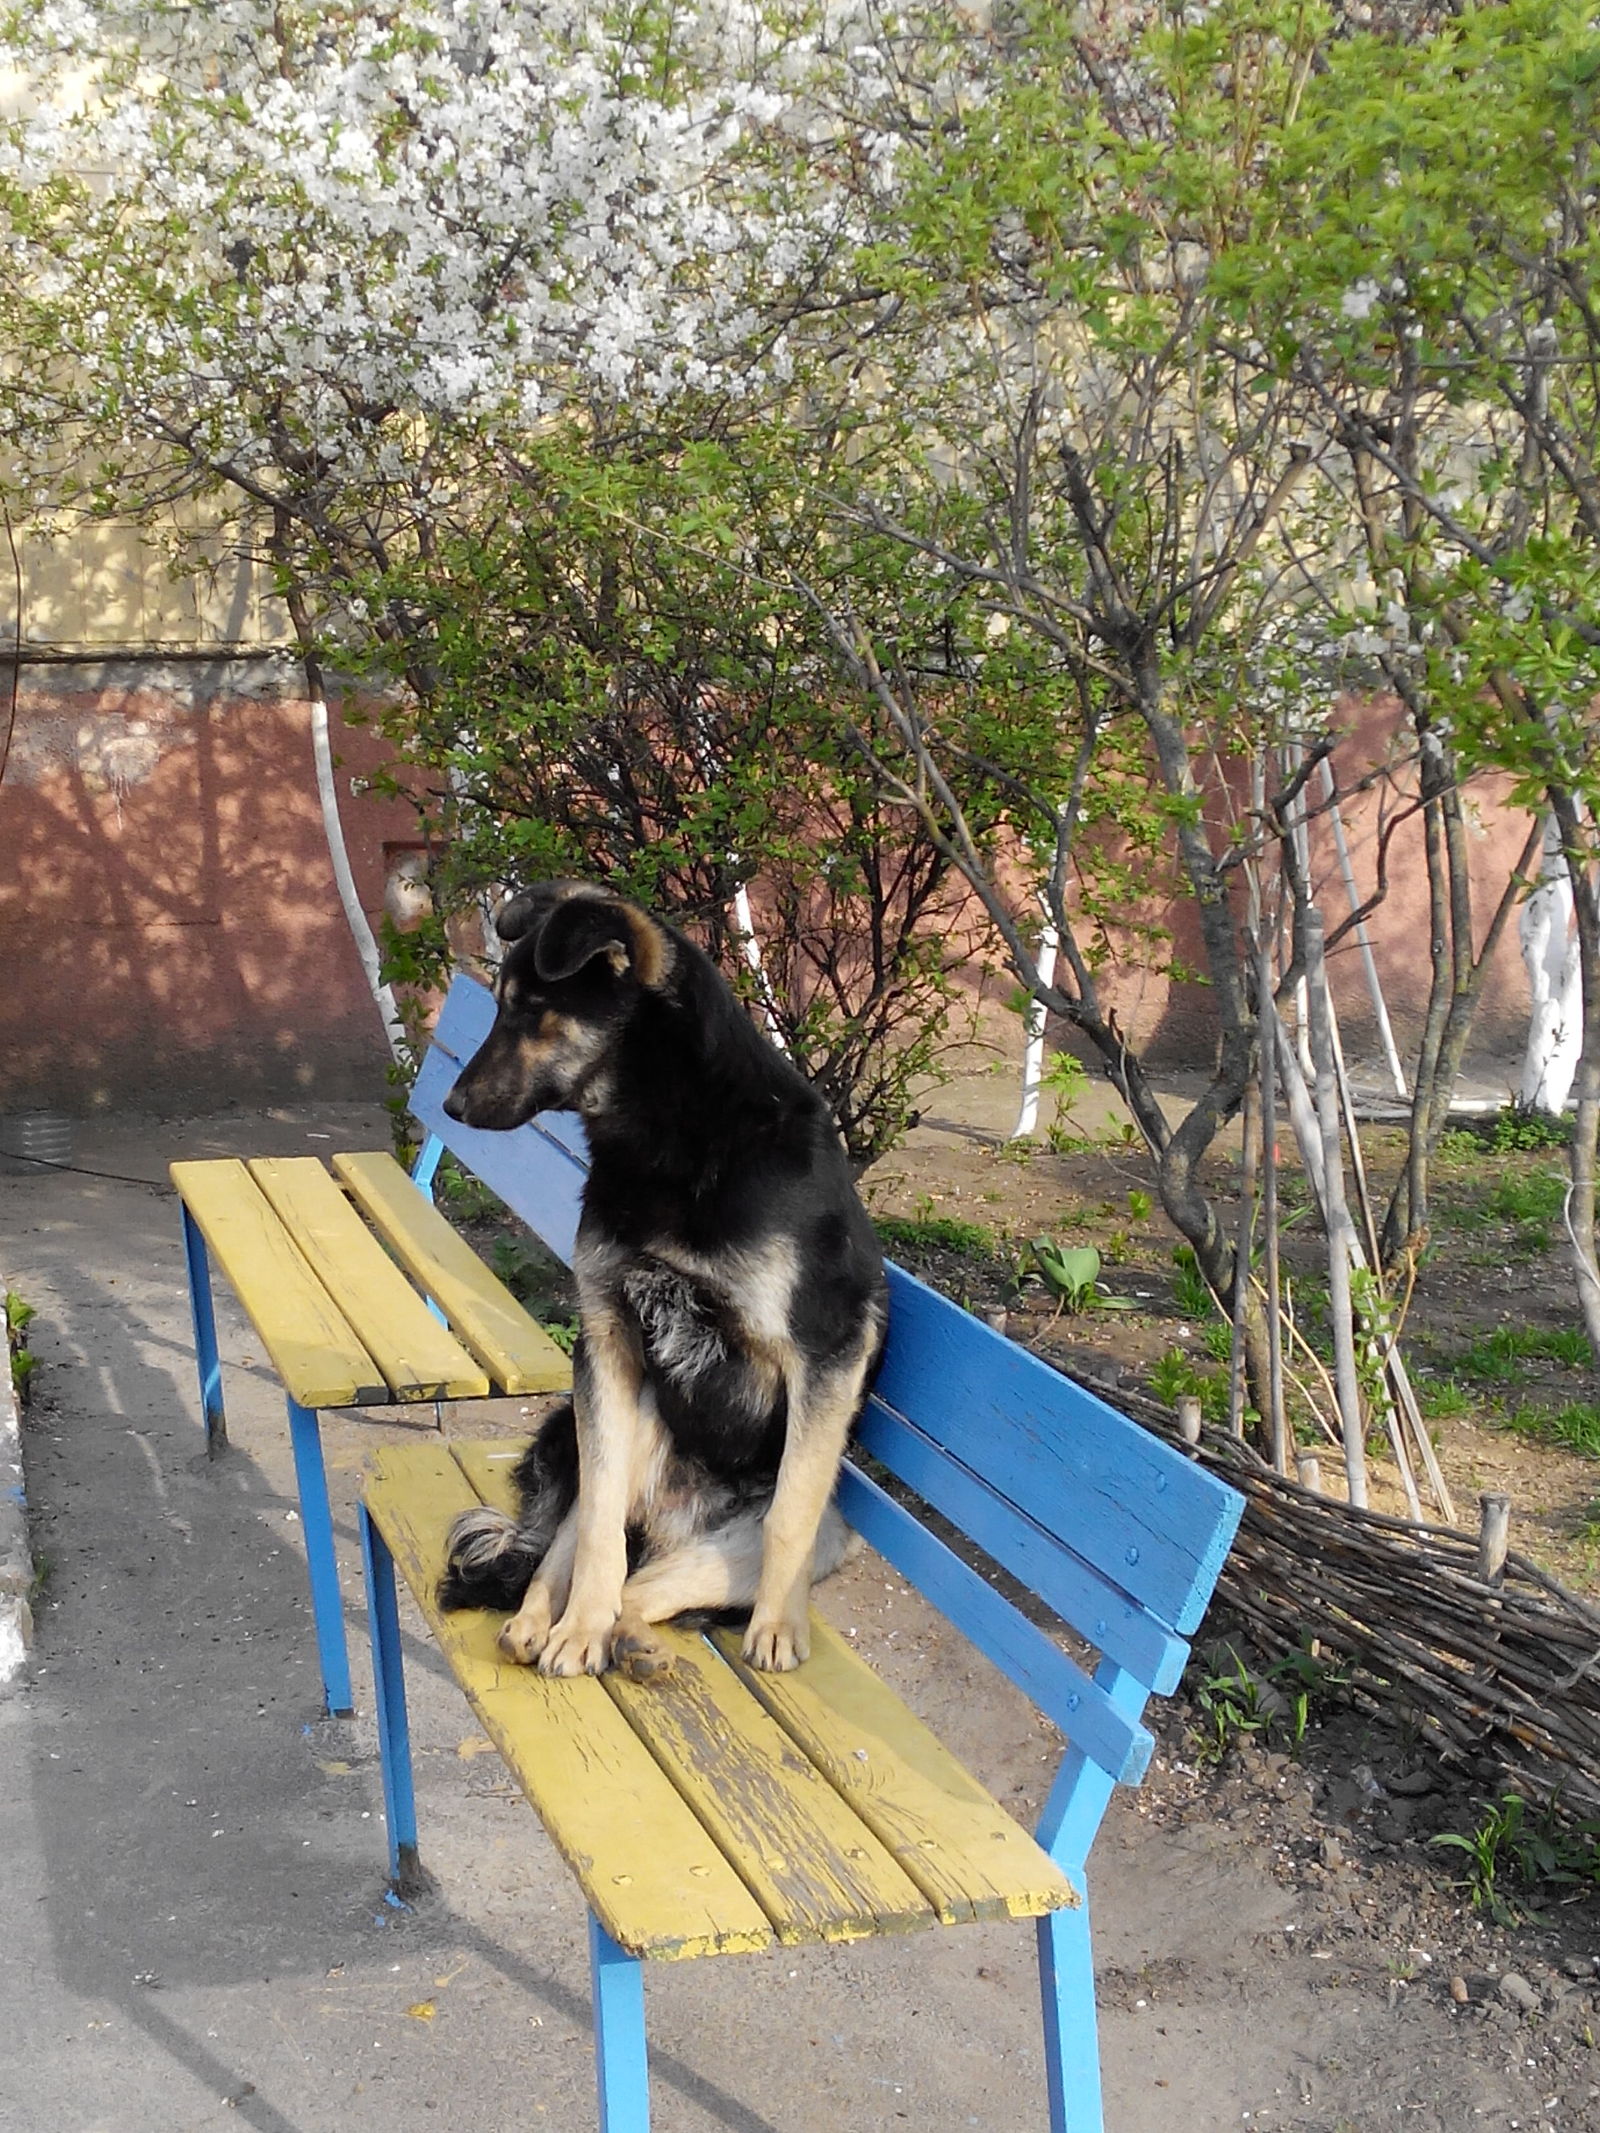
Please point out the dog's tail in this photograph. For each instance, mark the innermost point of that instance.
(491, 1557)
(490, 1563)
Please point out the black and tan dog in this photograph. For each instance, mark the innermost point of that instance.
(731, 1303)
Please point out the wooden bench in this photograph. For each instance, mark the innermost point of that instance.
(720, 1810)
(362, 1295)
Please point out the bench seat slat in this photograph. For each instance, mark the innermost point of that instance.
(965, 1853)
(651, 1874)
(419, 1358)
(1159, 1527)
(1103, 1615)
(513, 1347)
(1061, 1689)
(313, 1347)
(812, 1865)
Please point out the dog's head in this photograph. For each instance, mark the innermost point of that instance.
(577, 960)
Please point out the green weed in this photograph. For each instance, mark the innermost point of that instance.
(19, 1316)
(1176, 1376)
(1510, 1845)
(1576, 1426)
(466, 1198)
(1498, 1357)
(935, 1233)
(1443, 1399)
(1239, 1702)
(1191, 1292)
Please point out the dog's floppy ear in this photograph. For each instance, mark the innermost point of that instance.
(515, 915)
(582, 927)
(520, 913)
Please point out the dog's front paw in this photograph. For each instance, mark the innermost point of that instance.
(577, 1648)
(777, 1647)
(526, 1634)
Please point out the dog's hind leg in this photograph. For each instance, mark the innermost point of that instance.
(720, 1571)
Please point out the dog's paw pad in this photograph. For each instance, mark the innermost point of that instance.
(640, 1657)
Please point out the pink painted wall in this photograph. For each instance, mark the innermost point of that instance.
(170, 931)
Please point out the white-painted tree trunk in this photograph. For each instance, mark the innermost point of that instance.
(360, 932)
(1033, 1025)
(744, 926)
(1550, 953)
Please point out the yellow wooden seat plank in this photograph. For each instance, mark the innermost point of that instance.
(313, 1347)
(516, 1351)
(960, 1847)
(816, 1870)
(420, 1359)
(489, 1465)
(652, 1875)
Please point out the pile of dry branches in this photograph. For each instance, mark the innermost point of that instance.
(1499, 1676)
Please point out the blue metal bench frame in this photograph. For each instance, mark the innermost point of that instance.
(1119, 1534)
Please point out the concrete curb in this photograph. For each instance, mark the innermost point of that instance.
(16, 1556)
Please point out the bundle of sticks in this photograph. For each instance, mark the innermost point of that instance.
(1494, 1662)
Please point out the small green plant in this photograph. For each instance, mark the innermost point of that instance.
(1071, 1273)
(1140, 1204)
(1537, 1198)
(1576, 1426)
(1191, 1292)
(563, 1331)
(931, 1232)
(1508, 1844)
(1217, 1340)
(1240, 1702)
(1498, 1357)
(19, 1316)
(1512, 1131)
(1176, 1376)
(1443, 1399)
(466, 1198)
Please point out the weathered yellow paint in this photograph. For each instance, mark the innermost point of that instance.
(420, 1359)
(489, 1466)
(652, 1875)
(313, 1348)
(961, 1848)
(517, 1352)
(816, 1870)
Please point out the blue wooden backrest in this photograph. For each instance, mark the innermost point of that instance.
(1120, 1535)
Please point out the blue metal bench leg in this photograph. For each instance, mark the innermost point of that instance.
(621, 2063)
(207, 1361)
(316, 1518)
(389, 1690)
(1071, 2031)
(1072, 1814)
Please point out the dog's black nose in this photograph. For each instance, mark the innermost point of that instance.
(453, 1105)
